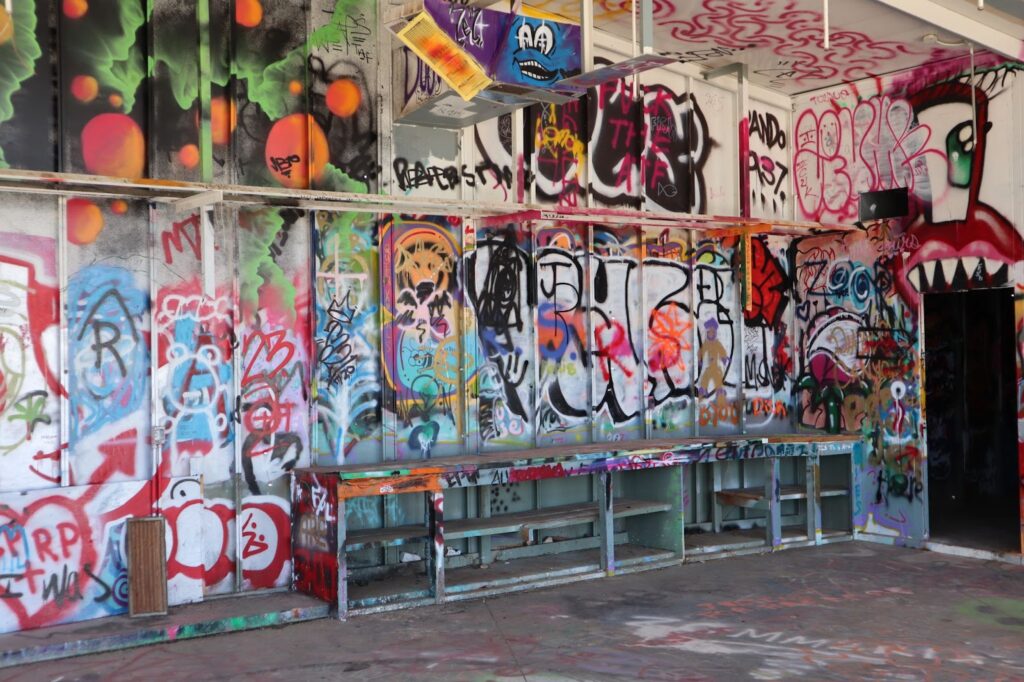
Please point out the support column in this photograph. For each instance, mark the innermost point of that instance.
(484, 511)
(606, 522)
(773, 489)
(813, 482)
(342, 603)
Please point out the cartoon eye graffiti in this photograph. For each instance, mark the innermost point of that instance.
(960, 153)
(524, 36)
(544, 39)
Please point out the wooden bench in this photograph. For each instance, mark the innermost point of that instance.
(637, 511)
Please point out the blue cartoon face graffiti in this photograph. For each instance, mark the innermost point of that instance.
(538, 52)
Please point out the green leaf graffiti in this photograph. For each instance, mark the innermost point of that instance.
(17, 58)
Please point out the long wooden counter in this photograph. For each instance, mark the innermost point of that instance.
(646, 516)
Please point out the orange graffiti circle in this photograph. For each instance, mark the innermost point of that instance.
(248, 13)
(115, 100)
(113, 144)
(289, 158)
(75, 9)
(119, 206)
(85, 221)
(343, 97)
(295, 87)
(223, 119)
(189, 156)
(84, 88)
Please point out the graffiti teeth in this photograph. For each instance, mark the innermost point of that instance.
(992, 266)
(533, 69)
(914, 276)
(948, 267)
(970, 265)
(960, 278)
(1001, 276)
(928, 274)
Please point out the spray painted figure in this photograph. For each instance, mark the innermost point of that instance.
(714, 358)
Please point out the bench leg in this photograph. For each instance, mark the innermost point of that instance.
(772, 493)
(342, 604)
(484, 507)
(716, 508)
(606, 522)
(813, 475)
(683, 500)
(435, 558)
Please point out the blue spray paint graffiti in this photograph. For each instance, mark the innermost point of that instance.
(538, 52)
(108, 354)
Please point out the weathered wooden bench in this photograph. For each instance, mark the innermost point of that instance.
(637, 509)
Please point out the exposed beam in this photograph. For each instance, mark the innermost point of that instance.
(733, 69)
(191, 195)
(951, 21)
(207, 198)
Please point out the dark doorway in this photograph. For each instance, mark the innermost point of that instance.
(970, 388)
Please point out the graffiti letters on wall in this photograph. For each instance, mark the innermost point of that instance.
(768, 162)
(107, 309)
(62, 554)
(500, 285)
(767, 331)
(348, 371)
(29, 385)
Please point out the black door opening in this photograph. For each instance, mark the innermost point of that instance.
(970, 389)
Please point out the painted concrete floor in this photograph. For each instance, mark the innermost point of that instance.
(845, 611)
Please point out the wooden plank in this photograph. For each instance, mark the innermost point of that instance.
(384, 537)
(147, 566)
(563, 452)
(625, 507)
(732, 540)
(744, 497)
(388, 486)
(549, 517)
(538, 569)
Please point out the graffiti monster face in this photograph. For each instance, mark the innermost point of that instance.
(538, 52)
(961, 242)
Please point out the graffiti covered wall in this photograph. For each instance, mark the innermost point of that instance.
(184, 364)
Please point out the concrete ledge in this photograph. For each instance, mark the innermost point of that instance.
(213, 617)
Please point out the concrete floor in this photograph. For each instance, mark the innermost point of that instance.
(844, 611)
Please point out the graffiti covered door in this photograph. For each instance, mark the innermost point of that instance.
(194, 348)
(973, 492)
(232, 343)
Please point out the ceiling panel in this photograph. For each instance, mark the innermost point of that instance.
(779, 40)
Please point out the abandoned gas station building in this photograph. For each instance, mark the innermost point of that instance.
(353, 298)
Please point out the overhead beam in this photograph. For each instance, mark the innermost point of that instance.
(192, 195)
(963, 25)
(207, 198)
(733, 69)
